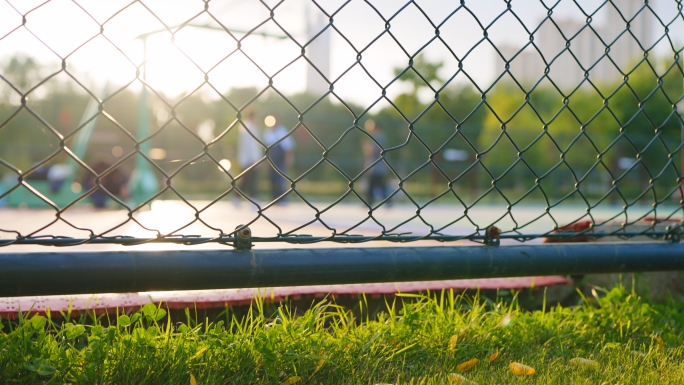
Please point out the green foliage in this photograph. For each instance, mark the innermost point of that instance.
(570, 140)
(419, 74)
(578, 137)
(415, 339)
(645, 107)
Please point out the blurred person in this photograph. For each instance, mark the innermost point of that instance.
(39, 173)
(57, 174)
(377, 182)
(281, 154)
(249, 152)
(116, 182)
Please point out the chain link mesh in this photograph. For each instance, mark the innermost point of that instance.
(577, 135)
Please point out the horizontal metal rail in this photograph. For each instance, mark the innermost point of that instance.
(339, 238)
(64, 272)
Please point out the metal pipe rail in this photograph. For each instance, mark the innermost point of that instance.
(64, 272)
(58, 241)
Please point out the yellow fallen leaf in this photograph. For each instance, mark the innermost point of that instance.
(584, 362)
(462, 367)
(521, 369)
(199, 353)
(493, 356)
(292, 380)
(661, 343)
(193, 381)
(454, 377)
(319, 366)
(452, 342)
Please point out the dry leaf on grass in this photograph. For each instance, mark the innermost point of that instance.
(462, 367)
(584, 362)
(292, 380)
(319, 366)
(493, 356)
(452, 342)
(521, 369)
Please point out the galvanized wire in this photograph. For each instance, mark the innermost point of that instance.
(638, 132)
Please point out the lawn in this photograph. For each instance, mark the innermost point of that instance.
(610, 337)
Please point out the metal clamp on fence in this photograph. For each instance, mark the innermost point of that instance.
(674, 235)
(243, 238)
(492, 236)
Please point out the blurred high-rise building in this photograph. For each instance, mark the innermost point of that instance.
(318, 52)
(572, 49)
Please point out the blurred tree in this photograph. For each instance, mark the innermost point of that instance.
(19, 128)
(560, 136)
(21, 72)
(419, 75)
(566, 134)
(449, 122)
(645, 106)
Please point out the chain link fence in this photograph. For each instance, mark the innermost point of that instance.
(348, 121)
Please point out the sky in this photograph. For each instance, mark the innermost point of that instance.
(177, 63)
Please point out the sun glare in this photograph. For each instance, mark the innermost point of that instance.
(270, 121)
(225, 163)
(176, 64)
(175, 68)
(117, 151)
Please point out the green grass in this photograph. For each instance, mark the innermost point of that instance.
(407, 344)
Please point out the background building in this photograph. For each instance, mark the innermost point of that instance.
(572, 48)
(318, 52)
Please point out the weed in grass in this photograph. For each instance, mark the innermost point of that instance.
(616, 337)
